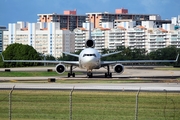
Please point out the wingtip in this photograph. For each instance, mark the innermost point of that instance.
(2, 56)
(177, 57)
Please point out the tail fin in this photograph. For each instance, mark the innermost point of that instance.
(90, 43)
(90, 38)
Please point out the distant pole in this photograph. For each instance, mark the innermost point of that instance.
(10, 102)
(136, 109)
(70, 104)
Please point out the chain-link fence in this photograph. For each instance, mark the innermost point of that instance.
(88, 105)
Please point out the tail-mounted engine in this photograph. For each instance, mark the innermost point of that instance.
(119, 68)
(60, 68)
(90, 43)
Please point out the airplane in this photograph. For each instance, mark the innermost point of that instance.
(89, 59)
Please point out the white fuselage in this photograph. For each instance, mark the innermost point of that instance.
(89, 59)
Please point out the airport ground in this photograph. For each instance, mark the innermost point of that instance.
(93, 98)
(149, 78)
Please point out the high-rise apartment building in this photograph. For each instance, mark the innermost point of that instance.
(122, 14)
(139, 37)
(1, 37)
(46, 38)
(69, 20)
(82, 34)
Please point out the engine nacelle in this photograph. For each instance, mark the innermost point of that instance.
(90, 43)
(60, 68)
(119, 68)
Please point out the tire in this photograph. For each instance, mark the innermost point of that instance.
(73, 74)
(69, 74)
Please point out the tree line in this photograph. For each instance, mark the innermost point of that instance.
(18, 51)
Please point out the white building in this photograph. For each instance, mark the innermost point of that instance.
(136, 38)
(148, 24)
(139, 37)
(115, 38)
(1, 37)
(174, 38)
(80, 38)
(82, 34)
(175, 20)
(168, 27)
(46, 38)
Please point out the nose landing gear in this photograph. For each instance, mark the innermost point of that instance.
(89, 74)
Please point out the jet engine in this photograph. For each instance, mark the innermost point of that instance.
(90, 43)
(119, 68)
(60, 68)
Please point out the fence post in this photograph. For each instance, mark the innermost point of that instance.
(136, 109)
(10, 102)
(70, 104)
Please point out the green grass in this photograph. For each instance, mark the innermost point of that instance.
(88, 105)
(168, 68)
(31, 74)
(27, 74)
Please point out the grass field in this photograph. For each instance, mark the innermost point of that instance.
(88, 105)
(29, 74)
(168, 68)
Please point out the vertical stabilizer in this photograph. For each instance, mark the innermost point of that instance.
(90, 30)
(90, 43)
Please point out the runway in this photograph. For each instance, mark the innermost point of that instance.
(128, 73)
(156, 87)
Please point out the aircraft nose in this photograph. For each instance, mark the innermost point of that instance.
(89, 59)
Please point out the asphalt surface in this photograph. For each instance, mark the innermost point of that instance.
(130, 72)
(170, 87)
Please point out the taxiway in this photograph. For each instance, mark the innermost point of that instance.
(98, 74)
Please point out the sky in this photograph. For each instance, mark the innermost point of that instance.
(12, 11)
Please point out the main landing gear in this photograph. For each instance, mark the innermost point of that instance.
(89, 74)
(71, 73)
(108, 74)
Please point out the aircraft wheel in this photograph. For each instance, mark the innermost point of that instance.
(89, 74)
(105, 75)
(73, 74)
(110, 75)
(69, 74)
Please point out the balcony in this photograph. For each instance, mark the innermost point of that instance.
(174, 39)
(80, 41)
(159, 39)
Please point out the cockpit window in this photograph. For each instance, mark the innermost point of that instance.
(89, 55)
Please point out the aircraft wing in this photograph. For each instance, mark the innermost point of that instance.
(105, 63)
(71, 54)
(105, 55)
(74, 63)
